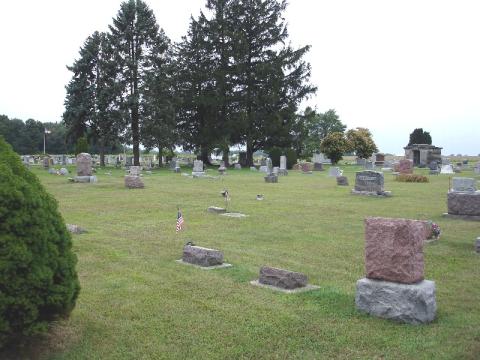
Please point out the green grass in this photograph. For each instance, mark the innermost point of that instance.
(136, 302)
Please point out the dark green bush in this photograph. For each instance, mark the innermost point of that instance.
(291, 157)
(38, 281)
(275, 153)
(81, 146)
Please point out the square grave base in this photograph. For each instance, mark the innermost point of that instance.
(286, 291)
(407, 303)
(222, 266)
(372, 193)
(462, 217)
(234, 215)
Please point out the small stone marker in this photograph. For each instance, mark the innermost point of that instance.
(134, 182)
(342, 181)
(64, 171)
(238, 167)
(253, 168)
(433, 165)
(222, 168)
(201, 256)
(369, 165)
(477, 245)
(75, 229)
(283, 166)
(318, 167)
(271, 177)
(216, 210)
(335, 172)
(447, 169)
(461, 184)
(198, 168)
(282, 278)
(395, 287)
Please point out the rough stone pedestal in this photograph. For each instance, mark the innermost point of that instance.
(282, 278)
(202, 256)
(271, 178)
(134, 182)
(464, 204)
(407, 303)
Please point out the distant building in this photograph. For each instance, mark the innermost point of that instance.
(423, 154)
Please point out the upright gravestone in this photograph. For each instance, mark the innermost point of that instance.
(369, 182)
(335, 172)
(46, 163)
(476, 169)
(463, 201)
(84, 169)
(271, 177)
(198, 168)
(283, 166)
(394, 287)
(447, 169)
(342, 181)
(369, 165)
(222, 168)
(404, 166)
(318, 160)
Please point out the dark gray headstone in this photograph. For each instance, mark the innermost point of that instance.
(342, 181)
(202, 256)
(371, 181)
(282, 278)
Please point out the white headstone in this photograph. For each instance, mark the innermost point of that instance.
(197, 166)
(447, 169)
(335, 171)
(283, 162)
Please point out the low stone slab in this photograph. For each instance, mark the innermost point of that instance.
(271, 179)
(281, 278)
(286, 291)
(372, 193)
(134, 182)
(459, 203)
(202, 256)
(342, 181)
(222, 266)
(85, 179)
(216, 210)
(234, 215)
(407, 303)
(75, 229)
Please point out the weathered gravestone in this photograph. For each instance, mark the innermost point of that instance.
(370, 165)
(369, 182)
(461, 184)
(404, 166)
(394, 287)
(477, 245)
(335, 172)
(198, 168)
(64, 171)
(433, 165)
(238, 167)
(306, 168)
(282, 278)
(283, 166)
(318, 160)
(135, 170)
(447, 169)
(216, 210)
(464, 205)
(222, 169)
(342, 181)
(201, 256)
(84, 169)
(47, 162)
(476, 169)
(134, 182)
(271, 177)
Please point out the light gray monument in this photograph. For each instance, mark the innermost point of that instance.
(335, 172)
(198, 168)
(271, 177)
(283, 166)
(222, 169)
(84, 169)
(447, 169)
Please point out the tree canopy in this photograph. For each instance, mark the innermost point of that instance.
(419, 136)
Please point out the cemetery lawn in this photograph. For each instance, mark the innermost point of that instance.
(136, 302)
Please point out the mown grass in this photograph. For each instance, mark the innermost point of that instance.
(136, 302)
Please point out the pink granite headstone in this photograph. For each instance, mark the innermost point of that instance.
(394, 249)
(404, 167)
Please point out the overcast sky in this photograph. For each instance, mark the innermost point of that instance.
(387, 65)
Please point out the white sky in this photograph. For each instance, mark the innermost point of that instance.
(387, 65)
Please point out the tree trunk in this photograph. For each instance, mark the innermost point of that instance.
(249, 153)
(135, 137)
(204, 155)
(225, 156)
(102, 153)
(160, 155)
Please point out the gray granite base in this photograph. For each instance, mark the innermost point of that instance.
(407, 303)
(216, 210)
(223, 266)
(85, 179)
(286, 291)
(462, 217)
(372, 193)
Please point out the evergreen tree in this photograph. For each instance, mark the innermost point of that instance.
(418, 136)
(138, 43)
(92, 103)
(270, 77)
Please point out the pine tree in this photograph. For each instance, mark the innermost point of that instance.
(270, 77)
(138, 43)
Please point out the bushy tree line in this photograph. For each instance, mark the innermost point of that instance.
(232, 79)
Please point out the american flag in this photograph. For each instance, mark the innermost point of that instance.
(179, 221)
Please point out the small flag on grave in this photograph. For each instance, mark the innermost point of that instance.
(180, 221)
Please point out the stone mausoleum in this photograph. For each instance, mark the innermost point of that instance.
(423, 154)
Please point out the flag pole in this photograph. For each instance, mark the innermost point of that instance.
(44, 137)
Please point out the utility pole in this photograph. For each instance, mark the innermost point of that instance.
(44, 139)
